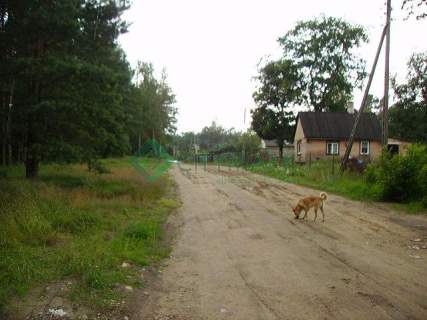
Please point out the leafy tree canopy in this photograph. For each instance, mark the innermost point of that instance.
(211, 139)
(279, 90)
(417, 8)
(408, 117)
(323, 51)
(215, 137)
(249, 142)
(152, 110)
(373, 104)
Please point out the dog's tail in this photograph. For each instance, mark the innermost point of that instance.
(323, 196)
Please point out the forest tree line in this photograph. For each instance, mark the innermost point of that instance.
(67, 91)
(215, 139)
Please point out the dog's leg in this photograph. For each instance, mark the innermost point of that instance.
(315, 214)
(305, 214)
(323, 214)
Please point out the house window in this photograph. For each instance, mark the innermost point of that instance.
(332, 148)
(364, 147)
(299, 147)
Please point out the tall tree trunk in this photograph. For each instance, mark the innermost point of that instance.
(18, 153)
(33, 147)
(32, 153)
(8, 122)
(31, 166)
(280, 144)
(3, 152)
(4, 138)
(9, 153)
(139, 145)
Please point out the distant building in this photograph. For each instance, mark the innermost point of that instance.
(271, 147)
(397, 146)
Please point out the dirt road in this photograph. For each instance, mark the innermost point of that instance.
(240, 254)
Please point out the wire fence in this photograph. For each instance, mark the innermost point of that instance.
(245, 160)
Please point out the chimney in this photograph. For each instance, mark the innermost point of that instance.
(350, 107)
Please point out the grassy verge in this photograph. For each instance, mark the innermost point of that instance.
(72, 224)
(319, 176)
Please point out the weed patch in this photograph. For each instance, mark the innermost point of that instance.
(321, 176)
(72, 223)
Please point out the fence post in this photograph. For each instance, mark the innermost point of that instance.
(309, 159)
(292, 165)
(333, 164)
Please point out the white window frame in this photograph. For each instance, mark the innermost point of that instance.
(368, 147)
(332, 144)
(299, 147)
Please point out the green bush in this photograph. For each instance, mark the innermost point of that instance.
(371, 173)
(400, 178)
(97, 166)
(423, 184)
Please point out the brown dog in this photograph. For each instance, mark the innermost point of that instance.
(310, 202)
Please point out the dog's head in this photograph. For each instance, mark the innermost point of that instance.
(297, 211)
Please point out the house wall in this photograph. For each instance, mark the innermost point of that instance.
(288, 150)
(376, 149)
(299, 136)
(274, 151)
(403, 145)
(317, 150)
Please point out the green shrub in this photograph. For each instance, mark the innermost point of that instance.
(400, 178)
(371, 174)
(423, 184)
(97, 167)
(35, 230)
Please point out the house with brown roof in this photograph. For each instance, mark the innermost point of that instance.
(323, 135)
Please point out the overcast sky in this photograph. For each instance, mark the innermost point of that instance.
(211, 48)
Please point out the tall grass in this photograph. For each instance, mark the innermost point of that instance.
(320, 174)
(71, 223)
(323, 175)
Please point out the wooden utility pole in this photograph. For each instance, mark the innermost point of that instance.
(363, 104)
(386, 79)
